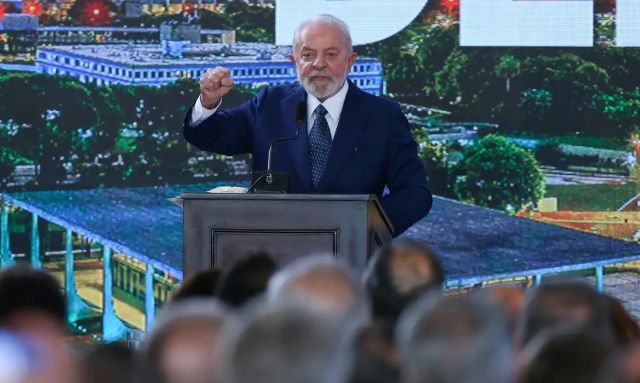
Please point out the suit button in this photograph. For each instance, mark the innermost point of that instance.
(355, 148)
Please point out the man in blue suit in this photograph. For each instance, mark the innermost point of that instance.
(352, 142)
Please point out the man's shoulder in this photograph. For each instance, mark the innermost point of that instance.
(378, 102)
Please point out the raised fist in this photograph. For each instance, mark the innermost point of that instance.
(214, 84)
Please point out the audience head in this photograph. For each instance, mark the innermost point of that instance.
(569, 305)
(625, 328)
(624, 366)
(247, 279)
(202, 284)
(399, 274)
(452, 340)
(107, 363)
(509, 298)
(561, 357)
(185, 341)
(283, 343)
(322, 284)
(31, 297)
(33, 307)
(375, 358)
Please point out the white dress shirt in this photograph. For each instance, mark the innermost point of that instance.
(333, 105)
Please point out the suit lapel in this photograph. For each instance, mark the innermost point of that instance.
(298, 148)
(352, 119)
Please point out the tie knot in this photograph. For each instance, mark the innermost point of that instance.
(321, 111)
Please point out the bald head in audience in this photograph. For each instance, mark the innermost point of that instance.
(283, 343)
(323, 284)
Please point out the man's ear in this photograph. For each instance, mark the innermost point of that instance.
(292, 58)
(352, 58)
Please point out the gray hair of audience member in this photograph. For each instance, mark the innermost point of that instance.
(454, 340)
(193, 308)
(323, 284)
(566, 303)
(326, 20)
(283, 343)
(180, 315)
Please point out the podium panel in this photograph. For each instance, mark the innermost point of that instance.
(220, 229)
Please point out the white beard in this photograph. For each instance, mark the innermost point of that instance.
(322, 92)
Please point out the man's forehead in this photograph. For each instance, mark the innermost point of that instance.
(322, 36)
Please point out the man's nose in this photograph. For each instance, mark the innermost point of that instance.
(320, 62)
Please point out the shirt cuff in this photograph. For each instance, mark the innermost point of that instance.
(199, 113)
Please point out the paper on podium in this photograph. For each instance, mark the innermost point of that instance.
(220, 189)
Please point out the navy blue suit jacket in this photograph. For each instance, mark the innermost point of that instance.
(372, 148)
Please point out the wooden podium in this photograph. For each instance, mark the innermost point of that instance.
(220, 229)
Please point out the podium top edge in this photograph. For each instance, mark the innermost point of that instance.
(277, 196)
(292, 197)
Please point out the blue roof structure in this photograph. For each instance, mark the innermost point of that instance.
(476, 244)
(140, 222)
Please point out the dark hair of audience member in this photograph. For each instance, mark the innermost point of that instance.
(376, 359)
(246, 279)
(400, 273)
(623, 366)
(107, 363)
(625, 329)
(24, 289)
(567, 305)
(202, 284)
(562, 357)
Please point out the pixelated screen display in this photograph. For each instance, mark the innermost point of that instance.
(528, 107)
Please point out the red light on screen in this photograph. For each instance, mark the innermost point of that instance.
(96, 13)
(188, 8)
(451, 4)
(31, 8)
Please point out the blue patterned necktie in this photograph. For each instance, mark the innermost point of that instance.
(319, 144)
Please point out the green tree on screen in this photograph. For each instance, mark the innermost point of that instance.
(498, 174)
(508, 68)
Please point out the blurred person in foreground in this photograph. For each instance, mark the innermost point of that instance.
(284, 342)
(400, 273)
(568, 305)
(325, 286)
(454, 340)
(623, 366)
(375, 355)
(508, 297)
(247, 279)
(107, 363)
(561, 356)
(32, 306)
(184, 343)
(202, 284)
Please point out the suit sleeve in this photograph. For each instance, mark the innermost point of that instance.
(228, 131)
(409, 198)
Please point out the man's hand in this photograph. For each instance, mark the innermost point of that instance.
(214, 84)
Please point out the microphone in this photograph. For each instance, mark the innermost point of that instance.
(277, 182)
(301, 114)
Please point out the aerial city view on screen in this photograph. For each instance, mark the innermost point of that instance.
(531, 126)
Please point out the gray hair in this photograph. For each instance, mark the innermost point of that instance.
(326, 20)
(205, 309)
(282, 286)
(452, 340)
(283, 344)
